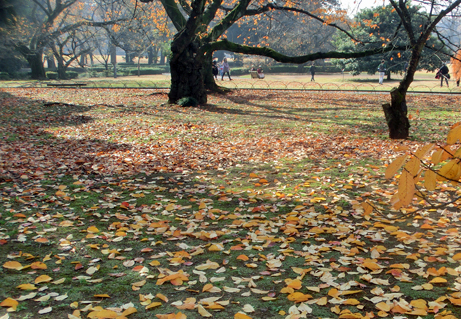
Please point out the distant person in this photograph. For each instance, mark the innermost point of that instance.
(214, 66)
(382, 71)
(442, 73)
(252, 68)
(312, 70)
(225, 69)
(220, 68)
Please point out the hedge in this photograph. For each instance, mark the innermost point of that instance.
(4, 76)
(52, 75)
(72, 74)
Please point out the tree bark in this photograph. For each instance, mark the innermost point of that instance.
(396, 115)
(150, 55)
(51, 63)
(187, 78)
(36, 65)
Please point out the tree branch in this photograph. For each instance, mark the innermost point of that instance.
(270, 53)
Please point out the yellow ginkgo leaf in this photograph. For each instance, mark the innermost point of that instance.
(109, 314)
(438, 280)
(240, 315)
(13, 265)
(129, 311)
(10, 303)
(92, 230)
(153, 305)
(383, 306)
(26, 287)
(43, 278)
(203, 312)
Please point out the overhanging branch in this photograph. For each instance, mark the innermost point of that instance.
(270, 53)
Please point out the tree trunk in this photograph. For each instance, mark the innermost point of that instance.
(396, 115)
(36, 65)
(187, 75)
(61, 70)
(50, 62)
(150, 55)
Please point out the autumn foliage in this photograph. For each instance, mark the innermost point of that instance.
(426, 167)
(261, 204)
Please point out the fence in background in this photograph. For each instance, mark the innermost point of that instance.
(252, 84)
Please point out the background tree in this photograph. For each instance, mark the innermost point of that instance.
(382, 25)
(45, 21)
(418, 36)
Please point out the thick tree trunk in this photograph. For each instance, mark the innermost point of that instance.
(187, 75)
(36, 66)
(396, 115)
(150, 56)
(61, 69)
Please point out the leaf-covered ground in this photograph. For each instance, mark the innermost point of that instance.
(115, 205)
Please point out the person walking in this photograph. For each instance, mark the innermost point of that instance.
(225, 69)
(443, 74)
(382, 71)
(312, 70)
(214, 68)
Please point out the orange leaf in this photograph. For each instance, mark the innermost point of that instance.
(295, 284)
(454, 135)
(406, 188)
(10, 303)
(103, 314)
(298, 297)
(38, 265)
(395, 166)
(243, 257)
(42, 240)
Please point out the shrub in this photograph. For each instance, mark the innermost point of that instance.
(52, 75)
(4, 76)
(72, 74)
(146, 71)
(98, 69)
(188, 101)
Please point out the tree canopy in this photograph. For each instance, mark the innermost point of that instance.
(380, 25)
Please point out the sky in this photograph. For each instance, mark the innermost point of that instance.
(353, 5)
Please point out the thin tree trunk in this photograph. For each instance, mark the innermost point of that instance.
(150, 55)
(396, 115)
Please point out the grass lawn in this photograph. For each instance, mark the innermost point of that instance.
(423, 81)
(114, 204)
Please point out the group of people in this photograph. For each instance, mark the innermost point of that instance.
(259, 71)
(443, 73)
(221, 69)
